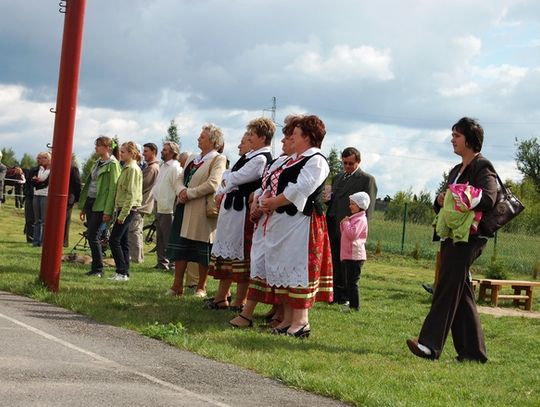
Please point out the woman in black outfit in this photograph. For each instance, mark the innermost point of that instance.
(453, 307)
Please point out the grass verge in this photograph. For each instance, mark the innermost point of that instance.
(359, 358)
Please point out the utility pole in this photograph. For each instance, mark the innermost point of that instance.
(64, 124)
(273, 110)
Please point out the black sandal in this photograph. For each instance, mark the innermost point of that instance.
(236, 308)
(250, 322)
(268, 325)
(215, 305)
(301, 333)
(280, 331)
(211, 299)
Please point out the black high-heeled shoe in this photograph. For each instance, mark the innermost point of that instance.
(280, 331)
(301, 333)
(211, 299)
(216, 305)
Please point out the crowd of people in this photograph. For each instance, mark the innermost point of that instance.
(260, 225)
(30, 189)
(272, 226)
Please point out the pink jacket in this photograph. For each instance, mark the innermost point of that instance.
(354, 233)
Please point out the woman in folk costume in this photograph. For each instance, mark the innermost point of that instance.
(232, 244)
(297, 261)
(192, 231)
(259, 290)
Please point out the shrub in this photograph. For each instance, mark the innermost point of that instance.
(378, 249)
(416, 252)
(497, 271)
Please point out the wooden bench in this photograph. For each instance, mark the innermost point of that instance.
(522, 296)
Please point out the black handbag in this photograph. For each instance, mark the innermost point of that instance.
(507, 207)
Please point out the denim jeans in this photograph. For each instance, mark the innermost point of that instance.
(93, 234)
(119, 243)
(39, 204)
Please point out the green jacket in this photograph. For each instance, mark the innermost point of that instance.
(451, 223)
(106, 188)
(128, 189)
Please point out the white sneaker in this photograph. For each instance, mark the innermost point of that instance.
(119, 277)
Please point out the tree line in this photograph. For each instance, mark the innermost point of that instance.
(527, 156)
(419, 205)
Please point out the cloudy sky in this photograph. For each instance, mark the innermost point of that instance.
(389, 77)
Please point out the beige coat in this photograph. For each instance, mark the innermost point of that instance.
(205, 181)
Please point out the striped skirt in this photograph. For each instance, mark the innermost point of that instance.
(235, 270)
(319, 274)
(260, 291)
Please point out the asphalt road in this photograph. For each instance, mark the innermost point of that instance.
(52, 357)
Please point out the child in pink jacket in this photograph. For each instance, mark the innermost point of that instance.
(354, 232)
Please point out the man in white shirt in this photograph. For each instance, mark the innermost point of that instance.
(164, 192)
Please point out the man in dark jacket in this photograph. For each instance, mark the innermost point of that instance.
(344, 184)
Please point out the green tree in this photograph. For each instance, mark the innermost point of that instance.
(27, 161)
(8, 157)
(334, 162)
(172, 133)
(419, 207)
(442, 185)
(528, 160)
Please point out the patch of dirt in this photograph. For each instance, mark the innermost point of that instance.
(507, 312)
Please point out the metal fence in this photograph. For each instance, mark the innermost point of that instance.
(517, 253)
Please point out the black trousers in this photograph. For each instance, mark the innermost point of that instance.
(352, 270)
(93, 234)
(453, 306)
(29, 219)
(119, 243)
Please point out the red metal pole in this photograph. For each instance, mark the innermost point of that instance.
(64, 124)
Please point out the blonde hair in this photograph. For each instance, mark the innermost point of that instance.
(45, 154)
(132, 148)
(215, 135)
(263, 127)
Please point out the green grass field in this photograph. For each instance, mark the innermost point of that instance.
(517, 252)
(359, 358)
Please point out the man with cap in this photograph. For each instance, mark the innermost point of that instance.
(351, 180)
